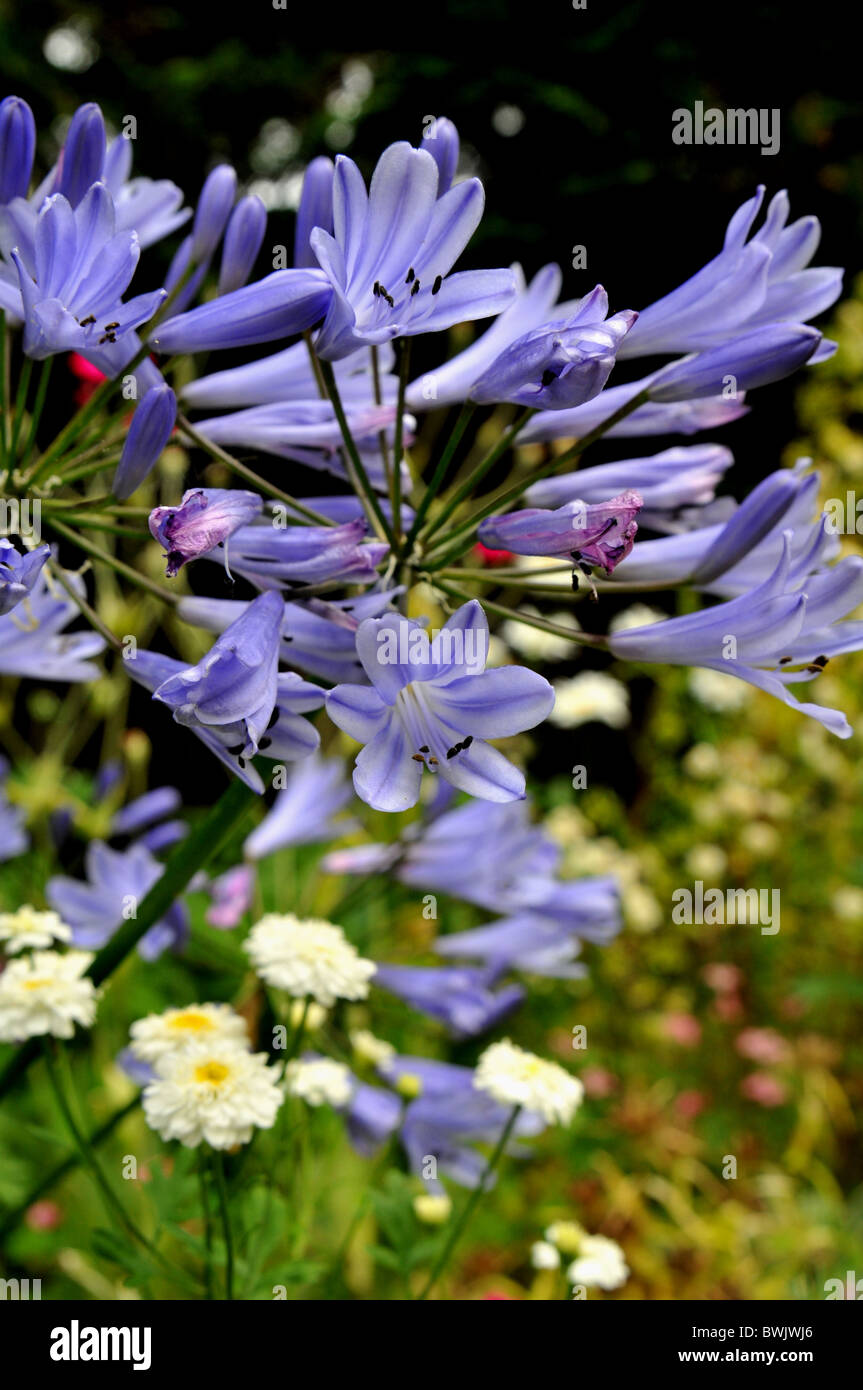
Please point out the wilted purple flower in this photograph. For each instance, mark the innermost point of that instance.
(273, 556)
(33, 643)
(18, 573)
(231, 895)
(119, 880)
(243, 238)
(669, 483)
(205, 518)
(460, 998)
(303, 810)
(756, 358)
(232, 692)
(749, 284)
(560, 364)
(426, 710)
(149, 432)
(777, 635)
(600, 533)
(17, 148)
(70, 289)
(389, 258)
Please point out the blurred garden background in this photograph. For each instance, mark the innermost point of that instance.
(703, 1042)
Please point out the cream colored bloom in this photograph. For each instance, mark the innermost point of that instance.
(212, 1092)
(319, 1081)
(636, 615)
(716, 690)
(432, 1208)
(28, 928)
(158, 1035)
(371, 1049)
(536, 645)
(590, 695)
(544, 1256)
(315, 1017)
(600, 1264)
(566, 1235)
(515, 1077)
(46, 993)
(310, 957)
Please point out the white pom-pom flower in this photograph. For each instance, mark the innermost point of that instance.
(308, 957)
(158, 1035)
(319, 1081)
(600, 1264)
(515, 1077)
(46, 993)
(31, 929)
(214, 1093)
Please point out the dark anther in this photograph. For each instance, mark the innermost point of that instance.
(274, 717)
(433, 760)
(418, 757)
(425, 748)
(264, 743)
(437, 284)
(242, 763)
(109, 326)
(451, 752)
(415, 288)
(235, 749)
(91, 318)
(376, 289)
(784, 660)
(548, 377)
(821, 661)
(411, 275)
(466, 743)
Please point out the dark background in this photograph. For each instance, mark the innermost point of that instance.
(593, 163)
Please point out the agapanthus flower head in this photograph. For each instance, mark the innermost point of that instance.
(215, 1093)
(392, 248)
(308, 957)
(590, 534)
(303, 810)
(46, 993)
(33, 641)
(560, 364)
(17, 148)
(161, 1035)
(205, 518)
(515, 1077)
(71, 284)
(460, 997)
(18, 573)
(29, 929)
(431, 706)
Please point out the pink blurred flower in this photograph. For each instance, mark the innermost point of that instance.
(763, 1045)
(690, 1104)
(722, 977)
(598, 1082)
(764, 1089)
(44, 1216)
(682, 1028)
(728, 1008)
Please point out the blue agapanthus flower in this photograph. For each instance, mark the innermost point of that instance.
(460, 997)
(33, 641)
(117, 882)
(18, 573)
(431, 706)
(304, 810)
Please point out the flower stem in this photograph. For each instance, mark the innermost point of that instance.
(584, 639)
(20, 403)
(257, 481)
(404, 371)
(95, 552)
(38, 407)
(439, 474)
(208, 1229)
(354, 464)
(479, 472)
(222, 1190)
(459, 1227)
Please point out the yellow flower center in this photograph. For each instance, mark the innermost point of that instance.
(195, 1022)
(213, 1073)
(35, 984)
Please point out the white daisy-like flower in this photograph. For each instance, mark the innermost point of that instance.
(46, 993)
(319, 1081)
(544, 1256)
(432, 1208)
(158, 1035)
(515, 1077)
(308, 957)
(371, 1049)
(29, 928)
(566, 1235)
(600, 1264)
(212, 1092)
(591, 695)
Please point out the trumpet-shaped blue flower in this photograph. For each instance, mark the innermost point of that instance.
(426, 710)
(149, 432)
(304, 810)
(653, 417)
(389, 258)
(272, 556)
(459, 997)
